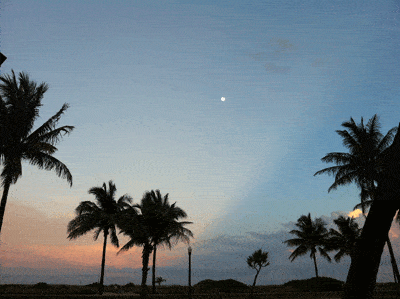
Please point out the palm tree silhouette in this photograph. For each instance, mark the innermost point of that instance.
(345, 238)
(311, 235)
(362, 164)
(19, 108)
(102, 217)
(155, 225)
(133, 225)
(256, 261)
(162, 219)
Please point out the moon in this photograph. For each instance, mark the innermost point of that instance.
(223, 99)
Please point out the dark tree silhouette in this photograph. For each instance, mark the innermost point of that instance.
(162, 219)
(311, 236)
(256, 261)
(133, 225)
(344, 239)
(101, 217)
(155, 225)
(19, 108)
(373, 164)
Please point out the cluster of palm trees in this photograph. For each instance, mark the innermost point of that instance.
(373, 163)
(150, 224)
(313, 236)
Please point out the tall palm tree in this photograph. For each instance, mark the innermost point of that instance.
(311, 236)
(369, 164)
(162, 218)
(256, 261)
(396, 273)
(101, 217)
(344, 239)
(19, 108)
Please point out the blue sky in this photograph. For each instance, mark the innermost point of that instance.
(145, 79)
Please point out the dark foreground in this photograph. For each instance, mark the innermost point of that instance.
(305, 289)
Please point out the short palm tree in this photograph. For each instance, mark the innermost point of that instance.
(101, 217)
(162, 218)
(19, 108)
(311, 236)
(256, 261)
(344, 239)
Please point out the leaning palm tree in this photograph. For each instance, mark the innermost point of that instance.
(19, 108)
(162, 220)
(256, 261)
(101, 217)
(344, 239)
(370, 163)
(311, 236)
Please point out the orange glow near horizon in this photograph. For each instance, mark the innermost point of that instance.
(30, 239)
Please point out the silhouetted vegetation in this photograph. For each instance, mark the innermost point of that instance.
(373, 163)
(151, 223)
(344, 239)
(101, 217)
(19, 108)
(256, 261)
(311, 236)
(316, 284)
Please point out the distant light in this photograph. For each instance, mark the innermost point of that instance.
(223, 99)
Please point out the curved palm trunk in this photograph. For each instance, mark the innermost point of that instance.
(396, 273)
(103, 263)
(315, 265)
(154, 269)
(361, 279)
(255, 278)
(145, 269)
(4, 201)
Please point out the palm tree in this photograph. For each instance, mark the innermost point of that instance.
(162, 218)
(370, 163)
(311, 235)
(102, 217)
(19, 108)
(256, 261)
(396, 273)
(345, 238)
(155, 225)
(133, 225)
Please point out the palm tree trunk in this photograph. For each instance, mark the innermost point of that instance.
(154, 269)
(361, 279)
(3, 203)
(315, 265)
(396, 273)
(255, 278)
(145, 269)
(103, 263)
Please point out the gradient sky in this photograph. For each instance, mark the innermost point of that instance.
(144, 80)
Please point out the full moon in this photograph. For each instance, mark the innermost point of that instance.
(223, 99)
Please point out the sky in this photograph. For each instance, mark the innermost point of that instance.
(144, 80)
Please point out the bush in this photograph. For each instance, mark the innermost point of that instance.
(316, 284)
(226, 286)
(41, 285)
